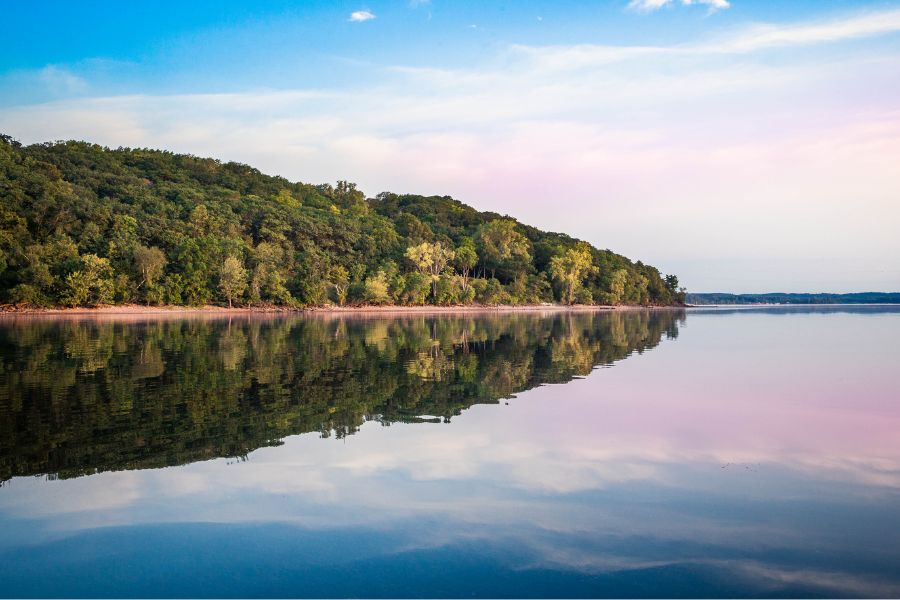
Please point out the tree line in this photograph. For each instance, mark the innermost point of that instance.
(794, 298)
(84, 225)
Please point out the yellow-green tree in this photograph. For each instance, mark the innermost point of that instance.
(150, 264)
(377, 289)
(339, 278)
(430, 259)
(617, 286)
(91, 284)
(232, 279)
(570, 269)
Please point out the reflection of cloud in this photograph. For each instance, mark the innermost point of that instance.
(834, 582)
(99, 493)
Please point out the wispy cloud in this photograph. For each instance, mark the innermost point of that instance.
(358, 16)
(751, 39)
(60, 81)
(835, 30)
(646, 6)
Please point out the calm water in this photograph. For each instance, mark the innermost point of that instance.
(700, 453)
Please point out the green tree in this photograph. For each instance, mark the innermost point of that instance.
(269, 282)
(617, 286)
(340, 280)
(430, 259)
(465, 260)
(377, 289)
(232, 279)
(500, 246)
(91, 284)
(150, 264)
(570, 269)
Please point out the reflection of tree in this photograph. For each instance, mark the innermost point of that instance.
(78, 397)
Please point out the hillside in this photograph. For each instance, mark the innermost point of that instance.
(82, 225)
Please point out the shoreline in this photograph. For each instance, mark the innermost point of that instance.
(142, 310)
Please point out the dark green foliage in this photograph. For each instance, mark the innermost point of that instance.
(83, 224)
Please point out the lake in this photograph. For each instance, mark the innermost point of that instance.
(706, 452)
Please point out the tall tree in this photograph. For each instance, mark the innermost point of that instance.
(617, 286)
(570, 269)
(501, 246)
(465, 260)
(232, 279)
(431, 259)
(339, 278)
(150, 263)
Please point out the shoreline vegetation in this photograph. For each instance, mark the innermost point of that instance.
(82, 225)
(213, 310)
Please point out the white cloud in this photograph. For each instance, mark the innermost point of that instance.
(836, 30)
(359, 16)
(652, 5)
(751, 39)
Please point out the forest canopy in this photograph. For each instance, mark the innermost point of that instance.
(85, 225)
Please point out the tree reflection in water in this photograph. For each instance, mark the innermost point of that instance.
(80, 396)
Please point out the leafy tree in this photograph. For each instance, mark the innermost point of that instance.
(431, 259)
(413, 288)
(617, 286)
(232, 279)
(501, 246)
(465, 260)
(269, 282)
(376, 288)
(488, 291)
(340, 280)
(150, 263)
(571, 268)
(91, 284)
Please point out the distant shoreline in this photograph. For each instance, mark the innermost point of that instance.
(141, 310)
(790, 304)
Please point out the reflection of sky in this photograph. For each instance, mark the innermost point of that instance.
(756, 454)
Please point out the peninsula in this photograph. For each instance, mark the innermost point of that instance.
(83, 225)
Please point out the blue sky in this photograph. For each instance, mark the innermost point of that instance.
(745, 145)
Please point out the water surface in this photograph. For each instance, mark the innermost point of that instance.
(746, 452)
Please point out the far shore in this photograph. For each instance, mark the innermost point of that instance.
(142, 310)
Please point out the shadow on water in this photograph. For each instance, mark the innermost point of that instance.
(81, 396)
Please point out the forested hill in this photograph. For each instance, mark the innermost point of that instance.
(85, 225)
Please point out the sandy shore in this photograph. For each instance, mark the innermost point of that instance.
(141, 310)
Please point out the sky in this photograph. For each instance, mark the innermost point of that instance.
(746, 146)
